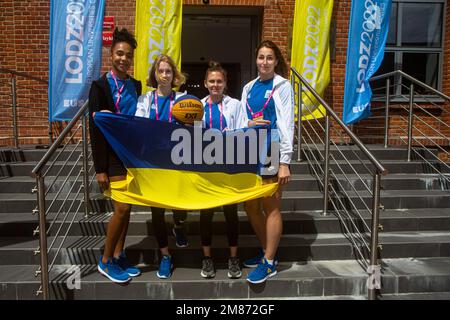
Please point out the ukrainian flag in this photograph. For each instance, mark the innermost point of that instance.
(183, 167)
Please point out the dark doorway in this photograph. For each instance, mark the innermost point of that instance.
(226, 34)
(196, 75)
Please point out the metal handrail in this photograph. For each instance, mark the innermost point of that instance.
(414, 80)
(23, 74)
(333, 193)
(38, 168)
(413, 104)
(344, 175)
(39, 173)
(14, 105)
(331, 113)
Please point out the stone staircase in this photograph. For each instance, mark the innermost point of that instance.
(316, 259)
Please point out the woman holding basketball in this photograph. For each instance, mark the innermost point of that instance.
(221, 112)
(157, 105)
(269, 100)
(117, 92)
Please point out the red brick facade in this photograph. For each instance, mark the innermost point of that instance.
(24, 42)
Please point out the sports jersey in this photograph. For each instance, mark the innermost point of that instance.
(260, 99)
(283, 98)
(128, 97)
(213, 116)
(101, 98)
(147, 106)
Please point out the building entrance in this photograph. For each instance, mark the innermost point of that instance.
(228, 35)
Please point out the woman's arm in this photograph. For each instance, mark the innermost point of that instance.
(98, 143)
(143, 106)
(285, 121)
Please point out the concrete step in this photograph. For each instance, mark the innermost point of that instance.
(391, 199)
(299, 182)
(307, 182)
(393, 166)
(292, 201)
(31, 153)
(300, 222)
(417, 296)
(300, 279)
(354, 153)
(416, 225)
(143, 249)
(36, 153)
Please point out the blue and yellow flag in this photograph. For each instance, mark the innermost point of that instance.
(184, 167)
(157, 30)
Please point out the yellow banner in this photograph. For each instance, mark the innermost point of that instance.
(157, 30)
(310, 50)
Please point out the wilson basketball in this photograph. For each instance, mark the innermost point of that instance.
(188, 109)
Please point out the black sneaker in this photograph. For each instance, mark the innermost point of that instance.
(180, 237)
(234, 269)
(208, 270)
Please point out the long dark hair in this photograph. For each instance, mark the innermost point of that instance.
(281, 68)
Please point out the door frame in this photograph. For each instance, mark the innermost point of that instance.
(255, 13)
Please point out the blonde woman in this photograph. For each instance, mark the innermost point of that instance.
(157, 104)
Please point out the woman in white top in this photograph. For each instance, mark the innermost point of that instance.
(157, 105)
(269, 100)
(222, 113)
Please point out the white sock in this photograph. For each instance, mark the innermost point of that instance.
(269, 261)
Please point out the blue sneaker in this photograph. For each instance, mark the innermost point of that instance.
(126, 266)
(112, 271)
(180, 237)
(263, 271)
(165, 268)
(255, 261)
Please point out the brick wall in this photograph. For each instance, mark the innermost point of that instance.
(24, 42)
(24, 26)
(7, 60)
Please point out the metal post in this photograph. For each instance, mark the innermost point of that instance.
(326, 180)
(50, 133)
(386, 114)
(351, 127)
(14, 111)
(410, 120)
(43, 237)
(85, 166)
(299, 122)
(374, 233)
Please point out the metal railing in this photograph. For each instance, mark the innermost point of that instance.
(67, 167)
(339, 174)
(422, 101)
(15, 106)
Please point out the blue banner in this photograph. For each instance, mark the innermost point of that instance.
(369, 27)
(75, 54)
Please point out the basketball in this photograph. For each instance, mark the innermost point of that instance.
(188, 109)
